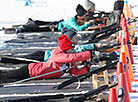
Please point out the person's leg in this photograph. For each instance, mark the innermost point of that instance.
(39, 26)
(38, 55)
(18, 74)
(12, 60)
(47, 26)
(38, 22)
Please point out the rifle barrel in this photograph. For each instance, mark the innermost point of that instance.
(105, 29)
(91, 93)
(104, 36)
(84, 76)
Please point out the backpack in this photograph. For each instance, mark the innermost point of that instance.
(115, 15)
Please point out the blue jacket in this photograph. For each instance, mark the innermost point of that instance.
(72, 24)
(78, 48)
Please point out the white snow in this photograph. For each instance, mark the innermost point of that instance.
(15, 12)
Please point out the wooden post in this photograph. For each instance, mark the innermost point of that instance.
(135, 27)
(106, 80)
(96, 82)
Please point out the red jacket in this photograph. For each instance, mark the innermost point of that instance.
(57, 59)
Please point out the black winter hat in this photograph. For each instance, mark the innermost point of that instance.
(80, 10)
(69, 32)
(118, 5)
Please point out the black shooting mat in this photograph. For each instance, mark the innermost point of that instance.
(44, 87)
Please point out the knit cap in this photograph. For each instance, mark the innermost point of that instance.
(89, 4)
(69, 32)
(80, 10)
(65, 43)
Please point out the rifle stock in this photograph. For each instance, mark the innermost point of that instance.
(83, 97)
(94, 28)
(111, 47)
(108, 47)
(110, 50)
(84, 76)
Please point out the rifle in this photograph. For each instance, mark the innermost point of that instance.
(109, 30)
(103, 30)
(83, 97)
(110, 48)
(104, 36)
(132, 20)
(84, 76)
(99, 14)
(103, 12)
(96, 19)
(94, 28)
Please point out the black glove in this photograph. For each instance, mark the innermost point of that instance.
(94, 58)
(102, 57)
(107, 57)
(113, 56)
(99, 57)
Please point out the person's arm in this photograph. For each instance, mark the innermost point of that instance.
(48, 54)
(86, 47)
(73, 23)
(71, 58)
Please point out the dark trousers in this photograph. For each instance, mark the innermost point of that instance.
(38, 55)
(40, 26)
(15, 75)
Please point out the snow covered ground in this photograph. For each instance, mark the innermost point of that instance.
(15, 12)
